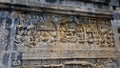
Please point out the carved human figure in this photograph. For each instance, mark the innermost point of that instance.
(91, 27)
(90, 37)
(71, 35)
(29, 38)
(62, 33)
(80, 33)
(99, 64)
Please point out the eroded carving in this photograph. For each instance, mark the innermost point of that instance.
(51, 29)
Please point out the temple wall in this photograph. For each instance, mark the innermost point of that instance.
(38, 34)
(61, 39)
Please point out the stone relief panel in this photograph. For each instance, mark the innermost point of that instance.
(45, 29)
(36, 31)
(99, 33)
(51, 34)
(106, 34)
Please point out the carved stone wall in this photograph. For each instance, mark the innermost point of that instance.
(59, 34)
(62, 40)
(49, 36)
(8, 51)
(58, 30)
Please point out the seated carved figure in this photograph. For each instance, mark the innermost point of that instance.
(97, 37)
(62, 34)
(71, 35)
(29, 41)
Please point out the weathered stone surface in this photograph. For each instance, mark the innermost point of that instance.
(62, 34)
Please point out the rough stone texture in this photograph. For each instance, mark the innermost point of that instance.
(59, 34)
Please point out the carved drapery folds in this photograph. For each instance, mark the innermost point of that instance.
(46, 29)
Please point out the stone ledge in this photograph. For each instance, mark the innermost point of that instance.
(48, 55)
(34, 6)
